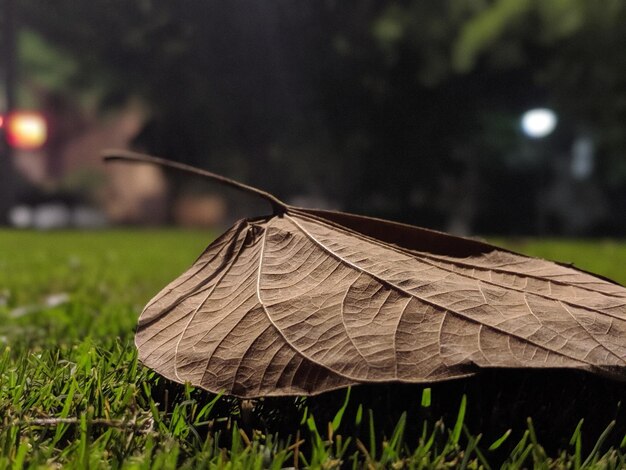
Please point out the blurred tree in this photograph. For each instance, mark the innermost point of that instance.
(8, 183)
(452, 78)
(406, 109)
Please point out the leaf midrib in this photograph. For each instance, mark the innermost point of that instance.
(434, 304)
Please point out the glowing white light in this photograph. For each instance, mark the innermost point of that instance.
(21, 216)
(539, 122)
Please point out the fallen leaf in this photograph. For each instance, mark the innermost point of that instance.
(55, 300)
(305, 301)
(50, 301)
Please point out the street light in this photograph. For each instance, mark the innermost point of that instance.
(25, 130)
(539, 122)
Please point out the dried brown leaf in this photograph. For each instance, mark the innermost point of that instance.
(305, 301)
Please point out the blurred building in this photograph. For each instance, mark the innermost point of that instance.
(69, 172)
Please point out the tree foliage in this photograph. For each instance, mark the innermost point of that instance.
(406, 109)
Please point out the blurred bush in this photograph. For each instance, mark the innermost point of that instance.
(402, 109)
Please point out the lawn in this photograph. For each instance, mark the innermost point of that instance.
(72, 393)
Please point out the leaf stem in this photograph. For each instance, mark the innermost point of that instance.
(109, 155)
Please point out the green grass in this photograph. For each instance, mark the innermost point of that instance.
(72, 393)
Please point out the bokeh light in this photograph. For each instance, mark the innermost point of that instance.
(538, 123)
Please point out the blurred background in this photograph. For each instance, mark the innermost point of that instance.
(496, 117)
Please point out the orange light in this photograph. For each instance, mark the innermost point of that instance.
(26, 130)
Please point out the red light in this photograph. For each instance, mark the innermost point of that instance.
(26, 130)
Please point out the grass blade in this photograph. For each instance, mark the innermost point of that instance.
(339, 416)
(498, 442)
(460, 419)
